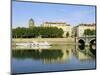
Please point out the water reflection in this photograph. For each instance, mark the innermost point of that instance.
(81, 44)
(89, 50)
(81, 47)
(54, 58)
(47, 56)
(93, 46)
(52, 55)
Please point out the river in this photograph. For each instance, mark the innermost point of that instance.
(51, 58)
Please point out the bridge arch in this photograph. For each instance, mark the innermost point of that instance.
(81, 44)
(81, 41)
(92, 41)
(93, 46)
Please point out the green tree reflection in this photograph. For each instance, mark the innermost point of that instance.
(36, 54)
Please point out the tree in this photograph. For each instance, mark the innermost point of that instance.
(89, 32)
(45, 32)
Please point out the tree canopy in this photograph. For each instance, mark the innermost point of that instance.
(45, 32)
(89, 32)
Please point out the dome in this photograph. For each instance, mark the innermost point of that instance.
(31, 23)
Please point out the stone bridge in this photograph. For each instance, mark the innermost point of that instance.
(89, 41)
(86, 40)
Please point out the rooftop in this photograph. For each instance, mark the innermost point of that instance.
(57, 23)
(88, 24)
(93, 24)
(31, 19)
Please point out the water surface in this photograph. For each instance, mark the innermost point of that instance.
(54, 58)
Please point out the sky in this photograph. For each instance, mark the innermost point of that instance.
(42, 12)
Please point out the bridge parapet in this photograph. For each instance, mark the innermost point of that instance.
(88, 36)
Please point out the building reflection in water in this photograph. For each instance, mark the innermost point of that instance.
(48, 56)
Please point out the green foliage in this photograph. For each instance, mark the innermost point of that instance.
(44, 54)
(89, 32)
(45, 32)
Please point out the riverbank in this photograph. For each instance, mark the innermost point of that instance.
(53, 41)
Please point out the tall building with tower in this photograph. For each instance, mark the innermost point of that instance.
(31, 23)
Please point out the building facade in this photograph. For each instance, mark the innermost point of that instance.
(31, 23)
(65, 27)
(79, 30)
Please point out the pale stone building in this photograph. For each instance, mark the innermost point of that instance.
(65, 27)
(31, 23)
(79, 30)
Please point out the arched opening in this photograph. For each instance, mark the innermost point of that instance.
(93, 41)
(81, 44)
(93, 46)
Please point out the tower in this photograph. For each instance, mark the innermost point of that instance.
(31, 23)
